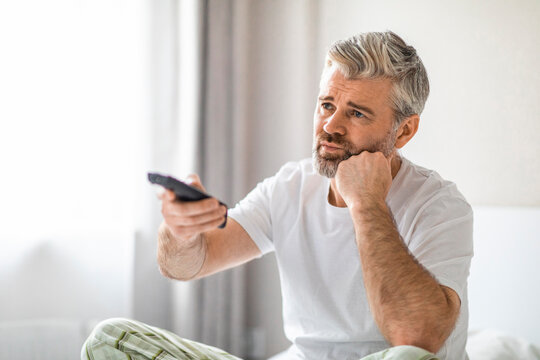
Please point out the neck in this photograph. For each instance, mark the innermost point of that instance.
(335, 199)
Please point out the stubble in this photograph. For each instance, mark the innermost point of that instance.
(327, 164)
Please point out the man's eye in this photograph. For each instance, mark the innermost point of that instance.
(357, 114)
(327, 106)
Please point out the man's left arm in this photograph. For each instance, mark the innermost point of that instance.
(408, 304)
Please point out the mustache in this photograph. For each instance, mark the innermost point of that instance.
(339, 140)
(384, 145)
(333, 138)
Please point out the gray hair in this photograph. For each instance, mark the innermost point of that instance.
(386, 55)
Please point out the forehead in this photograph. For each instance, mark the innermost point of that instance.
(375, 91)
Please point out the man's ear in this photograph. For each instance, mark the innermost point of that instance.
(406, 130)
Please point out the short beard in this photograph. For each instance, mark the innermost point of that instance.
(327, 165)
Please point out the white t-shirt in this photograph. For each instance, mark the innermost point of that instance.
(325, 308)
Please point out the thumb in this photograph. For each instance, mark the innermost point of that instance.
(195, 181)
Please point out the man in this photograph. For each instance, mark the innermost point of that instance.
(373, 250)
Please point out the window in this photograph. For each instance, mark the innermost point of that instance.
(72, 92)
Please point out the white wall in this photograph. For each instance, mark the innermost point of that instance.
(480, 123)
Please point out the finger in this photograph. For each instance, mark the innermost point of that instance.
(189, 208)
(166, 194)
(390, 159)
(194, 180)
(197, 219)
(188, 231)
(159, 191)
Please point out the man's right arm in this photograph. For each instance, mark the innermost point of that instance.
(190, 245)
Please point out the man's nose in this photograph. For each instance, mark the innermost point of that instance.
(335, 124)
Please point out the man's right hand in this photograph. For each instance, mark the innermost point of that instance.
(185, 220)
(190, 244)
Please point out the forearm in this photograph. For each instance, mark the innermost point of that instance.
(408, 304)
(180, 260)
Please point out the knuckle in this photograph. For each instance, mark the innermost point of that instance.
(208, 206)
(218, 212)
(180, 231)
(179, 209)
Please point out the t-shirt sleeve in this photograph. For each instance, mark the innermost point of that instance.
(442, 241)
(253, 213)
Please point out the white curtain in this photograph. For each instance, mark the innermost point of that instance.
(212, 310)
(222, 163)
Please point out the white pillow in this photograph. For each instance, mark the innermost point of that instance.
(491, 344)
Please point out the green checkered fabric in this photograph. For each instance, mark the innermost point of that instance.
(127, 339)
(121, 339)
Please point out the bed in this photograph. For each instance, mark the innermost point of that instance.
(504, 285)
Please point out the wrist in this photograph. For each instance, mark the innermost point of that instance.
(180, 259)
(167, 237)
(367, 214)
(366, 204)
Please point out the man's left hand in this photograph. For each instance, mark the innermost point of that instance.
(364, 177)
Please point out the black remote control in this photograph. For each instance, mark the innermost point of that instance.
(183, 191)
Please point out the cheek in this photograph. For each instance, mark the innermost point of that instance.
(359, 140)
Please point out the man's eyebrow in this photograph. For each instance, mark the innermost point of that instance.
(324, 98)
(350, 103)
(361, 107)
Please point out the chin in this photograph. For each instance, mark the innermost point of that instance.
(324, 166)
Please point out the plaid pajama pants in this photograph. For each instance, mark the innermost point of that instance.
(124, 339)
